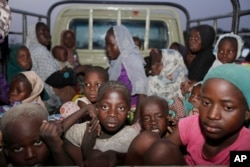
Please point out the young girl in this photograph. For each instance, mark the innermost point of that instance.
(227, 49)
(169, 71)
(219, 128)
(126, 63)
(19, 60)
(38, 40)
(94, 77)
(200, 42)
(112, 108)
(68, 40)
(60, 53)
(29, 140)
(25, 87)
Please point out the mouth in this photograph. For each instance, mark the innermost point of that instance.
(211, 128)
(111, 124)
(155, 130)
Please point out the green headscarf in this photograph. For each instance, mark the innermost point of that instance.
(236, 74)
(13, 67)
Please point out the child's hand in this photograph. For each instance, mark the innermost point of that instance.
(51, 132)
(92, 111)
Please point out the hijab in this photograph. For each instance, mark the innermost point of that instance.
(131, 59)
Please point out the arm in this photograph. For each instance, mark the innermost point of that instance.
(69, 121)
(50, 133)
(137, 114)
(74, 152)
(175, 137)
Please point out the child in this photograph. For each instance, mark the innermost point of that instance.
(195, 98)
(29, 140)
(60, 53)
(227, 49)
(179, 47)
(154, 115)
(68, 41)
(169, 71)
(25, 87)
(126, 63)
(137, 41)
(19, 60)
(94, 77)
(112, 108)
(219, 127)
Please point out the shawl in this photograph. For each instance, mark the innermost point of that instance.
(131, 59)
(173, 73)
(240, 44)
(5, 19)
(37, 87)
(204, 59)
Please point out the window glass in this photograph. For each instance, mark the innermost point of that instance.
(158, 33)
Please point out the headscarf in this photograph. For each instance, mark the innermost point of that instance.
(240, 44)
(132, 60)
(236, 74)
(13, 67)
(37, 87)
(204, 59)
(173, 73)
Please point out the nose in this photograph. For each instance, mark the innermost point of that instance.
(214, 113)
(112, 112)
(30, 153)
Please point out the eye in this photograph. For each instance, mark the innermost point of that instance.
(228, 108)
(205, 103)
(104, 107)
(159, 116)
(146, 119)
(87, 84)
(38, 142)
(121, 109)
(18, 149)
(99, 84)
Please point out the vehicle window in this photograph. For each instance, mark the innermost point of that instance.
(158, 33)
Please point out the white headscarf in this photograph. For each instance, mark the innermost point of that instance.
(131, 59)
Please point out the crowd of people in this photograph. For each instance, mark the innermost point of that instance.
(191, 107)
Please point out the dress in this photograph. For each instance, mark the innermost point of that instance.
(174, 72)
(194, 140)
(44, 64)
(129, 59)
(118, 142)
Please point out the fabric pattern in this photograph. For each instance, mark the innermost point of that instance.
(5, 19)
(131, 59)
(173, 73)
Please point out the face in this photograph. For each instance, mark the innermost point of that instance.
(111, 46)
(222, 110)
(194, 41)
(154, 118)
(112, 111)
(43, 35)
(156, 62)
(24, 145)
(195, 96)
(92, 82)
(226, 51)
(19, 90)
(68, 39)
(61, 55)
(24, 59)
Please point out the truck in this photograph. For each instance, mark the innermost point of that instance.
(156, 24)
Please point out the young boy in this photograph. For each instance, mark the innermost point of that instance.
(61, 55)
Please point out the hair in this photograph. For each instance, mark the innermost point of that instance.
(39, 24)
(155, 99)
(115, 86)
(100, 70)
(22, 78)
(20, 111)
(56, 48)
(231, 39)
(137, 39)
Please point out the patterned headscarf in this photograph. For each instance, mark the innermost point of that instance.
(236, 74)
(131, 59)
(37, 87)
(173, 73)
(5, 19)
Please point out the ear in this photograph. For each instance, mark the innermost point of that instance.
(247, 115)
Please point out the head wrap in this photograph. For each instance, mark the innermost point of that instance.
(5, 19)
(236, 74)
(174, 72)
(239, 40)
(132, 60)
(37, 87)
